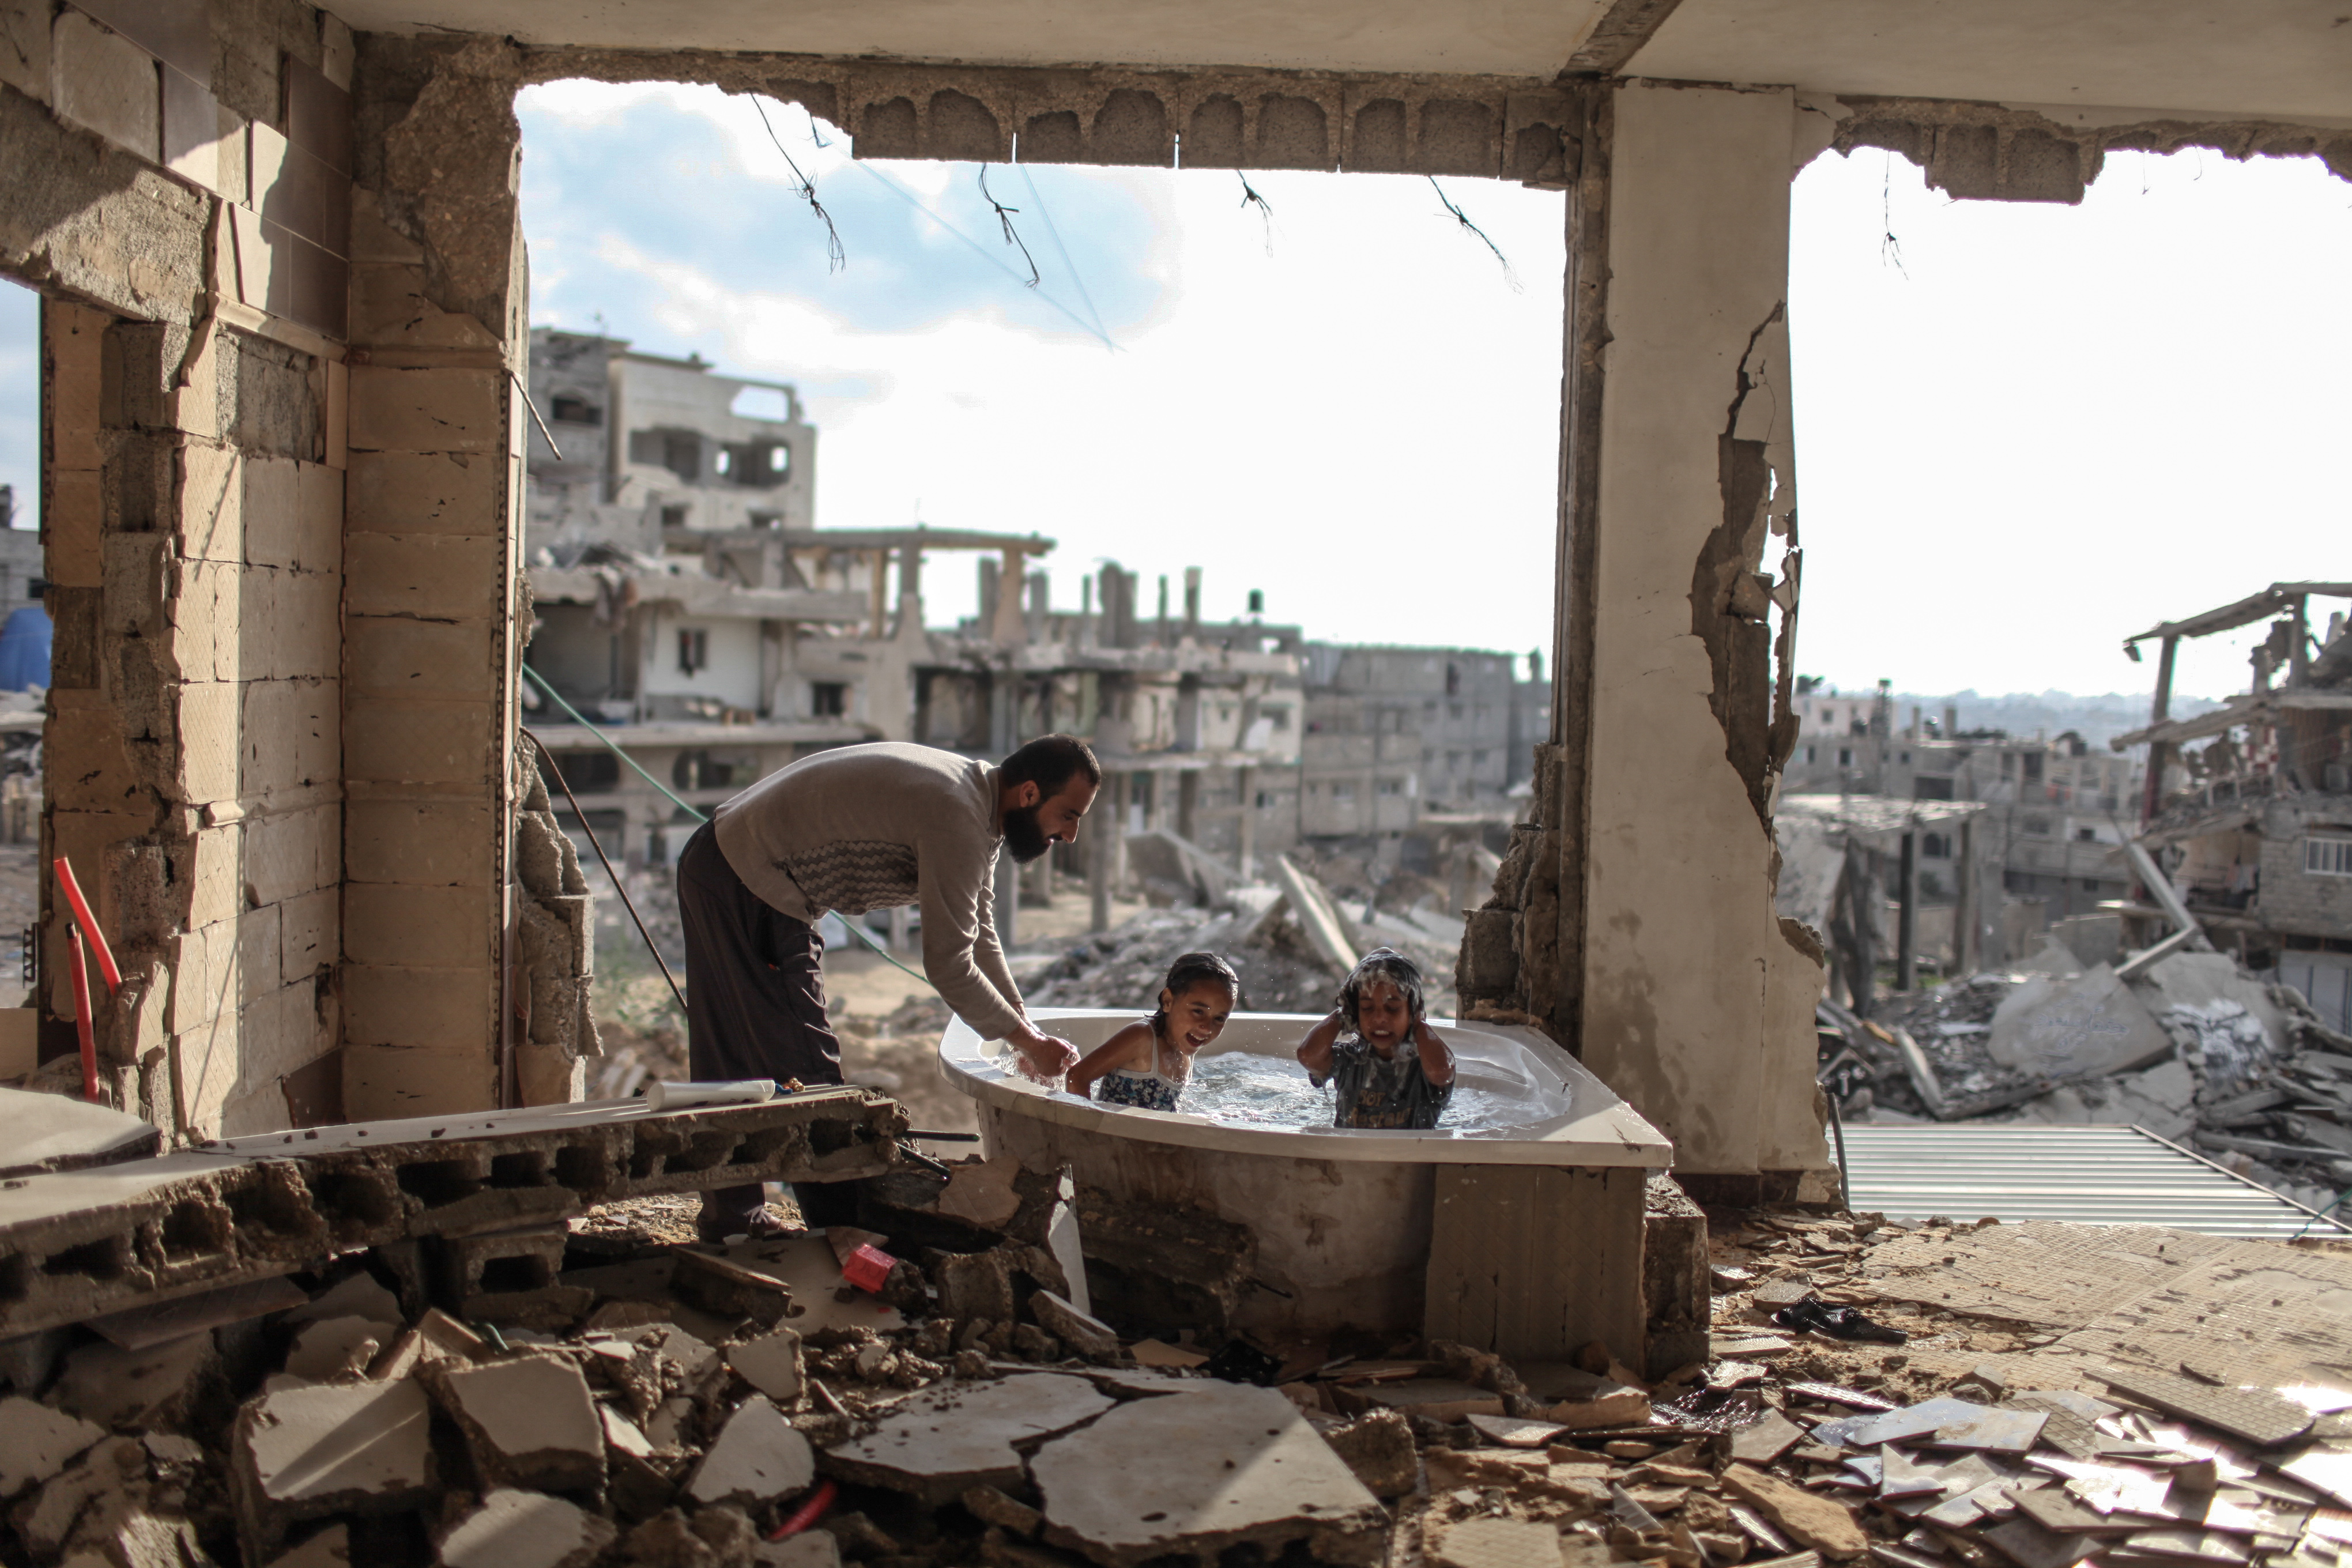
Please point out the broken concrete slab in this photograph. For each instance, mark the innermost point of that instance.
(527, 1419)
(1439, 1399)
(357, 1448)
(526, 1530)
(1196, 1475)
(759, 1458)
(771, 1364)
(162, 1388)
(36, 1442)
(1512, 1432)
(950, 1438)
(1823, 1523)
(809, 1549)
(1762, 1441)
(1087, 1336)
(50, 1132)
(2085, 1027)
(809, 1272)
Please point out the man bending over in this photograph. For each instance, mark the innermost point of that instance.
(859, 828)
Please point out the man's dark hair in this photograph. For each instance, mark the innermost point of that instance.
(1049, 761)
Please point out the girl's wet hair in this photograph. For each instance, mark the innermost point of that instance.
(1381, 963)
(1189, 970)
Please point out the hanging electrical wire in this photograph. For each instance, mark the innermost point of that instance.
(1055, 233)
(1509, 275)
(983, 252)
(1012, 236)
(835, 257)
(1250, 197)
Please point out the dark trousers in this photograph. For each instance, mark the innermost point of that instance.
(754, 1008)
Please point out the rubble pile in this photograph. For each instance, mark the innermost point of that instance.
(937, 1391)
(2192, 1048)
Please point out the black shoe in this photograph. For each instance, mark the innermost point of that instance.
(1816, 1316)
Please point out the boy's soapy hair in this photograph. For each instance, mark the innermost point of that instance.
(1381, 963)
(1189, 970)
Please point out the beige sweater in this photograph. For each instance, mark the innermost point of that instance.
(874, 826)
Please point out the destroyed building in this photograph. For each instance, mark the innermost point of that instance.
(2253, 826)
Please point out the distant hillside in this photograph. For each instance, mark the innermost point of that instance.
(2023, 713)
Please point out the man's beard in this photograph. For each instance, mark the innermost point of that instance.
(1024, 839)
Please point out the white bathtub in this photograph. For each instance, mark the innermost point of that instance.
(1341, 1218)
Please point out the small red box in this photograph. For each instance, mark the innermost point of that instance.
(867, 1268)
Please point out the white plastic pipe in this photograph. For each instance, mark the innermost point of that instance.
(685, 1096)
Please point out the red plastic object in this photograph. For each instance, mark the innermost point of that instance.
(867, 1268)
(808, 1513)
(81, 1015)
(90, 931)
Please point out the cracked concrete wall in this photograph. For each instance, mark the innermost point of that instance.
(1697, 1006)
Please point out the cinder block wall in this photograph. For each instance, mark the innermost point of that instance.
(2292, 900)
(177, 185)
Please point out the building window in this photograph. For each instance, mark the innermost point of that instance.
(2090, 884)
(2039, 825)
(2086, 835)
(766, 519)
(828, 698)
(1936, 846)
(1902, 756)
(693, 649)
(1808, 753)
(673, 517)
(2328, 856)
(1391, 786)
(569, 410)
(2033, 762)
(1845, 756)
(1344, 794)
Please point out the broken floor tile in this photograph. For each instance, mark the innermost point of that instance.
(1831, 1393)
(163, 1387)
(1493, 1543)
(771, 1362)
(527, 1420)
(1761, 1442)
(1991, 1431)
(1821, 1523)
(1899, 1477)
(1197, 1475)
(526, 1530)
(759, 1457)
(2189, 1545)
(955, 1435)
(2258, 1415)
(363, 1448)
(1906, 1424)
(36, 1442)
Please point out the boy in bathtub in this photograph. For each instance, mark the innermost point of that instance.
(1387, 1065)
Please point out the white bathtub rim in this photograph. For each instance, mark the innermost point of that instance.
(1611, 1133)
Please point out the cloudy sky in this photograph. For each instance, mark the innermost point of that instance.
(2023, 431)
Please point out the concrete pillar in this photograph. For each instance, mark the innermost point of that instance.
(1010, 627)
(1188, 803)
(1098, 840)
(1008, 900)
(1122, 795)
(1907, 916)
(1674, 977)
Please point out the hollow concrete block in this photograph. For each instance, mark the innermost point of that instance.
(389, 922)
(385, 1004)
(446, 576)
(423, 493)
(382, 1081)
(421, 842)
(436, 410)
(422, 743)
(399, 655)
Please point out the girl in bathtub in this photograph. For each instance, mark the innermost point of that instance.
(1147, 1064)
(1388, 1066)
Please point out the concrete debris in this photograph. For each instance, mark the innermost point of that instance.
(771, 1363)
(1378, 1447)
(333, 1348)
(759, 1457)
(528, 1420)
(938, 1445)
(50, 1132)
(526, 1530)
(38, 1442)
(329, 1547)
(307, 1453)
(2192, 1048)
(1088, 1336)
(162, 1388)
(1229, 1466)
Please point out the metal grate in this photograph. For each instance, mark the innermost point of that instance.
(2094, 1175)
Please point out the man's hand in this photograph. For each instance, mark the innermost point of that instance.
(1048, 1056)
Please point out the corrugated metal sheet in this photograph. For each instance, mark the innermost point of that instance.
(2097, 1175)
